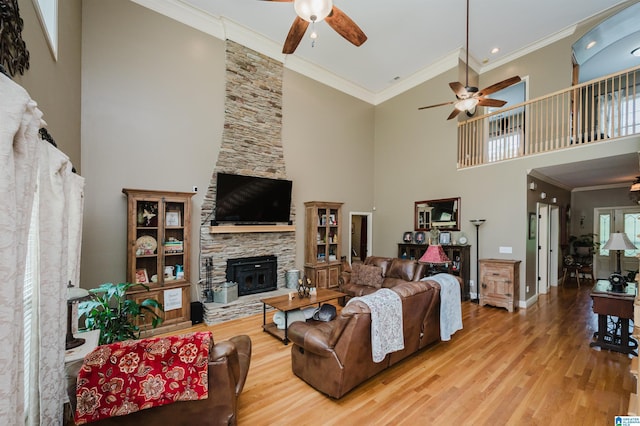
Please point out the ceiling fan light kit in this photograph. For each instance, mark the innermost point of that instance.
(312, 11)
(469, 97)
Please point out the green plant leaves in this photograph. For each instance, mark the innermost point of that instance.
(114, 315)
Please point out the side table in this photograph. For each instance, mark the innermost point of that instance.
(90, 343)
(612, 304)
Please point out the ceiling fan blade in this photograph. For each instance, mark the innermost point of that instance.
(436, 105)
(344, 26)
(458, 88)
(296, 32)
(491, 102)
(453, 114)
(499, 86)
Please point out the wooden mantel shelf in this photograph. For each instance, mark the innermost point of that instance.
(243, 229)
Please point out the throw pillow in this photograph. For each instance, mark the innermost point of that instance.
(368, 275)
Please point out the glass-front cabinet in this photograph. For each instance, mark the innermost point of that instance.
(323, 225)
(158, 238)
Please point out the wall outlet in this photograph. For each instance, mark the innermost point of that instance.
(506, 249)
(527, 289)
(471, 284)
(195, 188)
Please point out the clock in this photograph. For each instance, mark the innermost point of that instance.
(462, 240)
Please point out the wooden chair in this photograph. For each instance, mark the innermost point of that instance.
(571, 266)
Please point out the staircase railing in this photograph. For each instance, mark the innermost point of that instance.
(602, 109)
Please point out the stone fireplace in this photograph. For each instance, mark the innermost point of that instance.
(251, 145)
(253, 274)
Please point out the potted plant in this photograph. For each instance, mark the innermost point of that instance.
(585, 244)
(114, 315)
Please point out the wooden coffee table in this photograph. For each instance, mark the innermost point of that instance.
(284, 304)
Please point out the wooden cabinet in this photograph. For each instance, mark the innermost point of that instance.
(459, 255)
(158, 253)
(500, 283)
(323, 243)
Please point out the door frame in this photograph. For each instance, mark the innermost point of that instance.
(369, 216)
(542, 248)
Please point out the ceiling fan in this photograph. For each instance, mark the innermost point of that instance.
(312, 11)
(468, 97)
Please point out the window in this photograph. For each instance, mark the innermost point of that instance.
(506, 131)
(47, 11)
(620, 111)
(31, 282)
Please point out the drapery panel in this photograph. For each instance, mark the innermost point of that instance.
(29, 166)
(19, 124)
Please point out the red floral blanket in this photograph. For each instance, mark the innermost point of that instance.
(125, 377)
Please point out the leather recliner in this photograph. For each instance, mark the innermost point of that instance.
(228, 366)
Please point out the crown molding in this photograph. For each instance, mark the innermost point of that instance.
(419, 77)
(530, 48)
(536, 174)
(186, 14)
(223, 29)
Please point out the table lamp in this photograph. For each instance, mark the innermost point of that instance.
(619, 241)
(434, 255)
(74, 294)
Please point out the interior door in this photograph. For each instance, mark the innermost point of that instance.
(543, 248)
(607, 221)
(361, 235)
(363, 238)
(554, 244)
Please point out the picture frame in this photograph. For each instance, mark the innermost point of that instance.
(533, 222)
(407, 237)
(141, 276)
(419, 237)
(445, 238)
(172, 218)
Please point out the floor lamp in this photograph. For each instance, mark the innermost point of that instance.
(477, 223)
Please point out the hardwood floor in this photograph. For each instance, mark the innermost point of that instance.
(531, 367)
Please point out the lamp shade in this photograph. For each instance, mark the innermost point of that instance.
(619, 241)
(434, 255)
(76, 293)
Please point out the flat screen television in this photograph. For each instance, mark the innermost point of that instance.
(252, 200)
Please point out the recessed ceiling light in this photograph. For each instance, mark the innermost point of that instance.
(591, 44)
(636, 51)
(495, 50)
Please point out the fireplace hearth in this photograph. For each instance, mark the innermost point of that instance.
(253, 274)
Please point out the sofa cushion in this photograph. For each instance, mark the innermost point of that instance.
(402, 268)
(368, 275)
(382, 262)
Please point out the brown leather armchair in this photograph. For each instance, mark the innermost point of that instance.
(228, 367)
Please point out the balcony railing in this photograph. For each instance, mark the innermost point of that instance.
(595, 111)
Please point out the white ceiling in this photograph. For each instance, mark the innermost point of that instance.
(607, 171)
(406, 38)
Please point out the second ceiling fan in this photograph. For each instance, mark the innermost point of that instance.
(469, 97)
(312, 11)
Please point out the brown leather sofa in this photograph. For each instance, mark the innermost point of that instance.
(229, 363)
(336, 356)
(394, 271)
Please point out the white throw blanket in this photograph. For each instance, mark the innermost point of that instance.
(450, 306)
(386, 322)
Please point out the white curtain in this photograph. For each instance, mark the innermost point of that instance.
(26, 160)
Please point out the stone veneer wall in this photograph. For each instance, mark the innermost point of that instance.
(251, 145)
